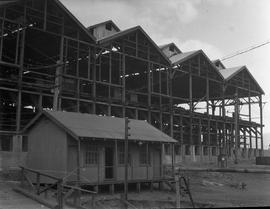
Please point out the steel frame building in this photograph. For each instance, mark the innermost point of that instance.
(49, 60)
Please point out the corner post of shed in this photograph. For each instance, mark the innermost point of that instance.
(79, 161)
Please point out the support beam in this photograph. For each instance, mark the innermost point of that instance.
(19, 97)
(190, 105)
(208, 116)
(261, 124)
(236, 126)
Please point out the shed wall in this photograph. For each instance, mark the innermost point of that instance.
(47, 148)
(136, 171)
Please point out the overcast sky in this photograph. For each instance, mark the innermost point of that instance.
(219, 27)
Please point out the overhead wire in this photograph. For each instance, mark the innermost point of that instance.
(245, 50)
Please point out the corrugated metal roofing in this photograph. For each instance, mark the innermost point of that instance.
(94, 126)
(227, 73)
(178, 58)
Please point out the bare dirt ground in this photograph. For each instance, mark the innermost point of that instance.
(12, 200)
(208, 190)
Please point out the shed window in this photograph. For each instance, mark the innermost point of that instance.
(5, 143)
(91, 155)
(177, 149)
(168, 150)
(121, 155)
(143, 155)
(214, 151)
(197, 150)
(24, 143)
(205, 150)
(187, 150)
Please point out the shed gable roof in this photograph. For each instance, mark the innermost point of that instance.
(81, 125)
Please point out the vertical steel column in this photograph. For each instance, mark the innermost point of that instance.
(261, 124)
(171, 101)
(126, 157)
(45, 15)
(199, 138)
(94, 92)
(79, 162)
(236, 121)
(173, 158)
(58, 75)
(208, 116)
(77, 76)
(115, 159)
(256, 140)
(149, 88)
(190, 106)
(21, 62)
(249, 118)
(224, 121)
(1, 34)
(124, 85)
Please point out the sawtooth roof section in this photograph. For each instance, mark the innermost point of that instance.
(65, 10)
(229, 73)
(105, 22)
(218, 63)
(132, 30)
(168, 45)
(58, 2)
(82, 125)
(180, 58)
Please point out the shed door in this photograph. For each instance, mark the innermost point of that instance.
(72, 157)
(109, 162)
(156, 162)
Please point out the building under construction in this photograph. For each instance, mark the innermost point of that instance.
(49, 60)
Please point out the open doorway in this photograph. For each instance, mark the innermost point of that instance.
(109, 163)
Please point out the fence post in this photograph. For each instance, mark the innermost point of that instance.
(177, 188)
(38, 183)
(60, 194)
(22, 177)
(93, 200)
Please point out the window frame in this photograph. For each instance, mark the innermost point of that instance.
(144, 160)
(91, 156)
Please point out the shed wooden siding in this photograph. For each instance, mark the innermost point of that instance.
(136, 171)
(47, 148)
